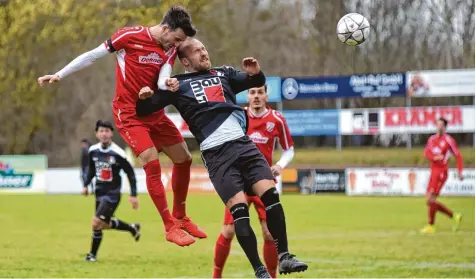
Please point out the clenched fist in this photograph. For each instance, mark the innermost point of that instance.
(145, 93)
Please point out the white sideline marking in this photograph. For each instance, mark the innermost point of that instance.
(365, 235)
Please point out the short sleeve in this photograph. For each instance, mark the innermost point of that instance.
(172, 55)
(120, 39)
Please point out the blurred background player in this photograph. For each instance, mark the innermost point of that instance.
(106, 160)
(438, 150)
(145, 56)
(84, 159)
(265, 126)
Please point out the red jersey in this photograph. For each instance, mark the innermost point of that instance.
(442, 145)
(139, 60)
(264, 130)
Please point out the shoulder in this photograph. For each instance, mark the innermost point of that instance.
(226, 70)
(119, 151)
(276, 115)
(94, 147)
(128, 32)
(449, 138)
(432, 138)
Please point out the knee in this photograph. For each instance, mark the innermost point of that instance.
(97, 224)
(148, 155)
(182, 157)
(228, 231)
(270, 197)
(430, 199)
(241, 217)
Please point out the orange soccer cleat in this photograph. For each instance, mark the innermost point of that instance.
(187, 225)
(178, 236)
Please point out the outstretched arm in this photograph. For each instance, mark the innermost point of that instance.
(80, 62)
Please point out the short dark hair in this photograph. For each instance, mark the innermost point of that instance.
(178, 17)
(104, 124)
(265, 88)
(445, 122)
(85, 140)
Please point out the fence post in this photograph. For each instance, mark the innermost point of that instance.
(339, 137)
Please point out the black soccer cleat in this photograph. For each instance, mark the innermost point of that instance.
(289, 264)
(136, 235)
(91, 258)
(262, 272)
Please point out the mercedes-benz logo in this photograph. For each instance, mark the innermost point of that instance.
(290, 88)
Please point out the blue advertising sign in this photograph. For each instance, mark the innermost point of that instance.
(312, 122)
(364, 86)
(274, 91)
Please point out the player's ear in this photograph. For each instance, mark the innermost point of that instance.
(185, 62)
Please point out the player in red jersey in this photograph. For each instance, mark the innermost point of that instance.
(145, 56)
(438, 150)
(265, 125)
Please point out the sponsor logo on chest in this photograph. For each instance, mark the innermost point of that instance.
(256, 137)
(208, 89)
(436, 150)
(152, 58)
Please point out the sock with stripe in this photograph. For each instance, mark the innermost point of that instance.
(96, 241)
(275, 219)
(245, 235)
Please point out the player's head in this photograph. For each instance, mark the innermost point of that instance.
(175, 27)
(257, 97)
(85, 143)
(441, 125)
(194, 56)
(104, 131)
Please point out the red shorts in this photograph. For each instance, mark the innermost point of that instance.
(259, 206)
(437, 180)
(146, 132)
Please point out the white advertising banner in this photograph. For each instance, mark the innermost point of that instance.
(415, 120)
(55, 181)
(22, 173)
(404, 182)
(441, 83)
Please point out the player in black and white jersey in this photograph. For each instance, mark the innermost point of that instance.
(106, 160)
(206, 101)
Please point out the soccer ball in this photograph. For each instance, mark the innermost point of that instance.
(353, 29)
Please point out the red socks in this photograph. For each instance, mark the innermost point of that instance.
(431, 213)
(222, 250)
(157, 192)
(434, 207)
(180, 181)
(440, 207)
(270, 255)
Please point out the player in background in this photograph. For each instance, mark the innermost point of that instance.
(265, 126)
(145, 56)
(438, 151)
(84, 159)
(106, 160)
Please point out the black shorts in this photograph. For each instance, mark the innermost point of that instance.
(235, 166)
(106, 205)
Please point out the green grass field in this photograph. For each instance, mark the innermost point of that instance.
(362, 156)
(340, 236)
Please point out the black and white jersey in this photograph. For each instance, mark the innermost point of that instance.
(106, 164)
(206, 101)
